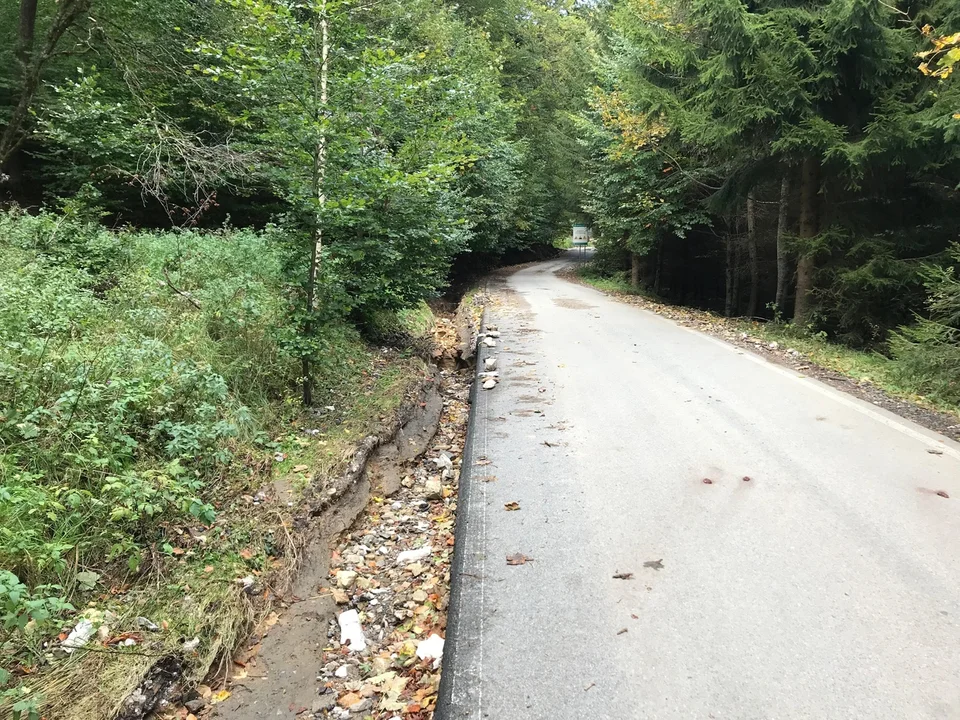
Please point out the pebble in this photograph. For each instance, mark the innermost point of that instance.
(490, 384)
(346, 578)
(433, 490)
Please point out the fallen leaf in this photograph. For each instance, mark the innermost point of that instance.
(621, 632)
(549, 444)
(301, 468)
(208, 569)
(942, 493)
(635, 617)
(489, 478)
(512, 506)
(655, 564)
(623, 576)
(246, 553)
(707, 481)
(518, 559)
(219, 696)
(349, 699)
(483, 462)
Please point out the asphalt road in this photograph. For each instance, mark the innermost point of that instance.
(826, 586)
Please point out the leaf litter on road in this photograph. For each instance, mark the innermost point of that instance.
(518, 559)
(511, 506)
(623, 576)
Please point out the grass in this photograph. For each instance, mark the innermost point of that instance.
(862, 366)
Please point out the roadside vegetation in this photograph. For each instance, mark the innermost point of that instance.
(797, 164)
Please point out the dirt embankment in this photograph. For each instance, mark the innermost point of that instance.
(377, 552)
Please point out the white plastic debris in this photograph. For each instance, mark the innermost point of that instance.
(411, 556)
(79, 636)
(191, 645)
(431, 648)
(351, 633)
(147, 624)
(342, 671)
(443, 461)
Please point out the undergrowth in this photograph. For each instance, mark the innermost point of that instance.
(146, 397)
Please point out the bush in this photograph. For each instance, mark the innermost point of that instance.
(128, 362)
(928, 352)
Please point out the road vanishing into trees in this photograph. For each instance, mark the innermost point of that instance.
(815, 575)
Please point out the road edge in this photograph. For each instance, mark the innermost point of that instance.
(451, 645)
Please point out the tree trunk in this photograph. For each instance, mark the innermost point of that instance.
(752, 250)
(783, 259)
(28, 24)
(809, 227)
(728, 303)
(321, 27)
(32, 62)
(658, 278)
(635, 270)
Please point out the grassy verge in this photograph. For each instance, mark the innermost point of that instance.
(152, 450)
(864, 367)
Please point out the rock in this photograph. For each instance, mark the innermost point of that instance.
(433, 490)
(420, 596)
(346, 578)
(490, 364)
(353, 559)
(195, 706)
(489, 342)
(342, 671)
(493, 333)
(324, 702)
(361, 706)
(409, 556)
(774, 346)
(490, 384)
(340, 597)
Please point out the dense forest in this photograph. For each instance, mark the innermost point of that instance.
(213, 214)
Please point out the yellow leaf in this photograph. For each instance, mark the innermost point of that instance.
(219, 696)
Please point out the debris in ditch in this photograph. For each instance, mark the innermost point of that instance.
(490, 364)
(431, 648)
(351, 632)
(410, 556)
(518, 559)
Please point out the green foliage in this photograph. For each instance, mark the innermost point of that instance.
(928, 352)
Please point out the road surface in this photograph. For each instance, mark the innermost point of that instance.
(825, 586)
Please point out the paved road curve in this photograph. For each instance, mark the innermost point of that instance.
(828, 586)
